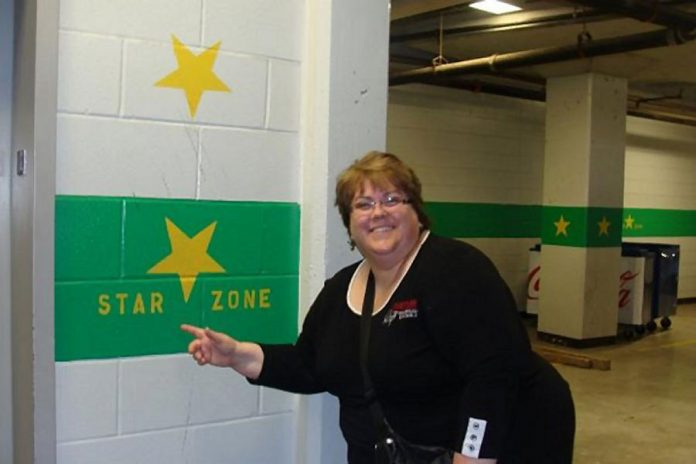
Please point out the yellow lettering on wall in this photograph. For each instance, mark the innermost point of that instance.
(121, 297)
(233, 299)
(217, 306)
(156, 300)
(265, 298)
(104, 304)
(138, 306)
(249, 298)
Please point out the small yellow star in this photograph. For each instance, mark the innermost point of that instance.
(189, 256)
(604, 226)
(561, 226)
(628, 222)
(194, 74)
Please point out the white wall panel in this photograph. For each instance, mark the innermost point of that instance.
(258, 440)
(275, 401)
(99, 156)
(147, 63)
(89, 74)
(173, 391)
(659, 173)
(249, 165)
(153, 19)
(82, 388)
(166, 447)
(466, 148)
(263, 27)
(284, 96)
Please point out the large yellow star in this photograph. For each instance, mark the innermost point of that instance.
(189, 257)
(604, 226)
(561, 226)
(628, 222)
(194, 74)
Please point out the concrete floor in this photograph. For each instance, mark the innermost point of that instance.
(644, 408)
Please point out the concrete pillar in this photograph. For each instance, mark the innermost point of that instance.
(583, 198)
(344, 114)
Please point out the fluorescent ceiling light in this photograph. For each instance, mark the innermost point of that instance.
(494, 6)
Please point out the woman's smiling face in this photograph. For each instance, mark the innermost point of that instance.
(383, 225)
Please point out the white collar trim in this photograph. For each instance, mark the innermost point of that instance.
(363, 263)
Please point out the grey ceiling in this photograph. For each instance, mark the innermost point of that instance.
(648, 42)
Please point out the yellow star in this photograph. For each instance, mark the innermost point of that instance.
(189, 257)
(628, 222)
(194, 74)
(604, 226)
(561, 226)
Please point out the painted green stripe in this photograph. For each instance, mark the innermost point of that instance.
(581, 226)
(250, 238)
(88, 238)
(468, 220)
(108, 319)
(129, 271)
(643, 222)
(483, 220)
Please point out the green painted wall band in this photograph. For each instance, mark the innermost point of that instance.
(589, 227)
(483, 220)
(129, 271)
(117, 295)
(110, 319)
(646, 222)
(469, 220)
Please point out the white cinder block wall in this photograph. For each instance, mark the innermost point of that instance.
(119, 135)
(473, 148)
(477, 148)
(660, 170)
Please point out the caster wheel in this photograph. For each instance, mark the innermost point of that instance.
(651, 326)
(666, 323)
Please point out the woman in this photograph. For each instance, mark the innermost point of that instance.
(450, 360)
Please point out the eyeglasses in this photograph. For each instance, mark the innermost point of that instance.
(388, 201)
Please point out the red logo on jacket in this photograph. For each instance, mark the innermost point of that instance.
(406, 309)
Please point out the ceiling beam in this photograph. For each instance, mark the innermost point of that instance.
(429, 28)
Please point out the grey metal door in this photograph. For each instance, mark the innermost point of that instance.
(6, 41)
(29, 31)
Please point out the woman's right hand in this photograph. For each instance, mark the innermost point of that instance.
(219, 349)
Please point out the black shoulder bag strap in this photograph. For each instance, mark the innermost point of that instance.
(396, 448)
(365, 323)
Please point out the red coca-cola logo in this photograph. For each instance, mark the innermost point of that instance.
(625, 293)
(533, 283)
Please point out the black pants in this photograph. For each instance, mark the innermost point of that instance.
(544, 432)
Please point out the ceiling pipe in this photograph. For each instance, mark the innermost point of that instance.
(586, 49)
(668, 115)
